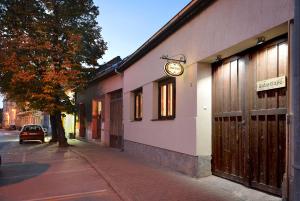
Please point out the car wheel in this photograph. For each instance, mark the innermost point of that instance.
(21, 141)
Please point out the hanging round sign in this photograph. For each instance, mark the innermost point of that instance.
(173, 69)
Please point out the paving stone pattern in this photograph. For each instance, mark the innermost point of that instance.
(138, 180)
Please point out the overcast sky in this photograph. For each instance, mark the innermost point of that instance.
(126, 25)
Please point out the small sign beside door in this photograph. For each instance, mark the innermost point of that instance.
(273, 83)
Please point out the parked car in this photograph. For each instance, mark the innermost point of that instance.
(32, 132)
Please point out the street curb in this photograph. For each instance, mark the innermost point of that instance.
(122, 195)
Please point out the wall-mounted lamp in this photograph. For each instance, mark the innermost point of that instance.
(181, 59)
(260, 40)
(218, 58)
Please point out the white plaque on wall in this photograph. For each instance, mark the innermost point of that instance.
(273, 83)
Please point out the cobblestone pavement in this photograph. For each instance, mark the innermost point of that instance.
(86, 172)
(136, 180)
(35, 172)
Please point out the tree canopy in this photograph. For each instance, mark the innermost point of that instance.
(45, 47)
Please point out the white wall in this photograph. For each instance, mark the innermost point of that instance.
(204, 109)
(223, 25)
(68, 122)
(177, 134)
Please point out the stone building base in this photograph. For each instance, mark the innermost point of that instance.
(195, 166)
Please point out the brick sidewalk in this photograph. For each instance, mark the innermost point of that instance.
(136, 180)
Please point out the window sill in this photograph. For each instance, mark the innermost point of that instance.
(168, 119)
(136, 120)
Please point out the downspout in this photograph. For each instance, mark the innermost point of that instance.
(122, 140)
(287, 176)
(296, 104)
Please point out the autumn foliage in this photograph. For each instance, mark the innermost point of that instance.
(45, 47)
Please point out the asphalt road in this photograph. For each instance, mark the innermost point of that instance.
(35, 172)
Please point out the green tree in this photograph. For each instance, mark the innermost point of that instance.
(45, 48)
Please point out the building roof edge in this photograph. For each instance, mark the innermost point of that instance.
(179, 20)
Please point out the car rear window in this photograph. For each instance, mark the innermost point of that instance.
(32, 128)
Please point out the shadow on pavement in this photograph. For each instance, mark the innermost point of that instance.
(31, 142)
(11, 173)
(35, 144)
(2, 145)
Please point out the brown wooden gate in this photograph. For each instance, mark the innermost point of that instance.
(249, 127)
(97, 118)
(116, 118)
(82, 119)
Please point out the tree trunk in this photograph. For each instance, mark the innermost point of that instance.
(62, 140)
(58, 131)
(53, 128)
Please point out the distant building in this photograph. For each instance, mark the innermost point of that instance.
(1, 112)
(9, 113)
(33, 117)
(13, 116)
(100, 106)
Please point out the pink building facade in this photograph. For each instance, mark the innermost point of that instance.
(226, 114)
(96, 107)
(9, 114)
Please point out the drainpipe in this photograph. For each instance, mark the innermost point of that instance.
(296, 103)
(122, 140)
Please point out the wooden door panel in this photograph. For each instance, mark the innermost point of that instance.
(249, 127)
(271, 95)
(226, 88)
(233, 148)
(236, 146)
(225, 145)
(260, 70)
(268, 120)
(228, 158)
(94, 119)
(281, 147)
(116, 124)
(82, 116)
(282, 71)
(272, 146)
(268, 151)
(234, 90)
(100, 117)
(217, 143)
